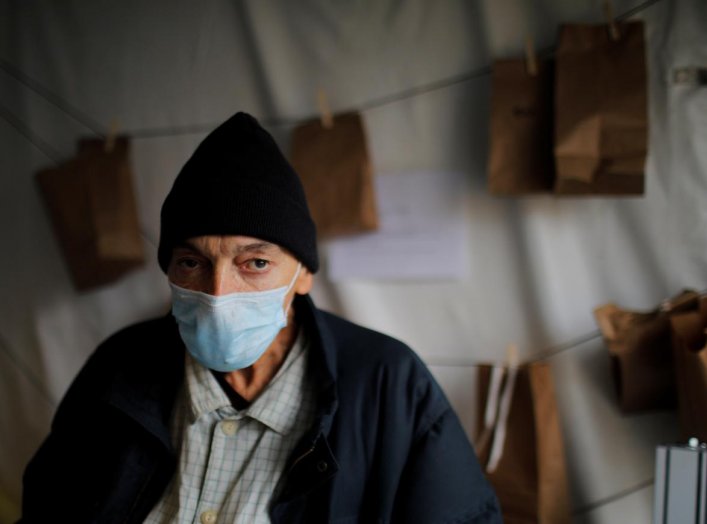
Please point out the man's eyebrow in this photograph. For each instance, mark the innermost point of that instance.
(184, 244)
(246, 248)
(258, 246)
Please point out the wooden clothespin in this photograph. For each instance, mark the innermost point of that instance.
(325, 115)
(603, 315)
(512, 358)
(611, 21)
(109, 144)
(531, 59)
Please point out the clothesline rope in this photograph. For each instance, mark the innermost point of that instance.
(53, 98)
(613, 498)
(26, 371)
(32, 137)
(539, 356)
(160, 132)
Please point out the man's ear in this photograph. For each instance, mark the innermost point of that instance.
(305, 279)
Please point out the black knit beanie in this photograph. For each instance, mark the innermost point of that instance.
(238, 182)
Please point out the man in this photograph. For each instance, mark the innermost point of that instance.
(246, 403)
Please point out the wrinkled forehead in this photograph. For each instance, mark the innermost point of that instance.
(232, 245)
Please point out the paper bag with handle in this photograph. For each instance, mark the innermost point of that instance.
(690, 354)
(92, 207)
(520, 150)
(639, 345)
(334, 165)
(520, 443)
(601, 121)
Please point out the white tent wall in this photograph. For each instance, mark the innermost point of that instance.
(419, 73)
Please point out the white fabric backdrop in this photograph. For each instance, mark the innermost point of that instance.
(418, 71)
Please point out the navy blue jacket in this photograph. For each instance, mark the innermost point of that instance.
(386, 445)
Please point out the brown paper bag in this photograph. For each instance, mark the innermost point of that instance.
(601, 121)
(336, 173)
(640, 349)
(92, 207)
(690, 354)
(530, 478)
(520, 150)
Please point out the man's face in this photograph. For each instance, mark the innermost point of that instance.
(224, 264)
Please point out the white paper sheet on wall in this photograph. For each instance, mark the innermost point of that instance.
(423, 231)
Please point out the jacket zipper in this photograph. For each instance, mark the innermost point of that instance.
(140, 495)
(302, 457)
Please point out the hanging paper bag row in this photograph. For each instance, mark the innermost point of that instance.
(576, 124)
(659, 358)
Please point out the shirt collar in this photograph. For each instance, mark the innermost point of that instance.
(277, 405)
(203, 392)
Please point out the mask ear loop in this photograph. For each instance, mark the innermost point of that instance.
(289, 288)
(294, 278)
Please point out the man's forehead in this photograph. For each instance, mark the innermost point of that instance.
(237, 243)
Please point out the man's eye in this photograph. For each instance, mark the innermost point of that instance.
(259, 264)
(188, 263)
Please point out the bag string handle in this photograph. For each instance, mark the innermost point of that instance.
(491, 409)
(504, 408)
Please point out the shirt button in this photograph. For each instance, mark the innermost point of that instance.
(229, 427)
(208, 517)
(322, 466)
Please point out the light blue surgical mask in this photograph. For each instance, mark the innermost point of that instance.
(230, 332)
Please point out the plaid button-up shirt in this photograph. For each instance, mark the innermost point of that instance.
(230, 461)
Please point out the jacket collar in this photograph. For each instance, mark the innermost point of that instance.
(146, 390)
(322, 361)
